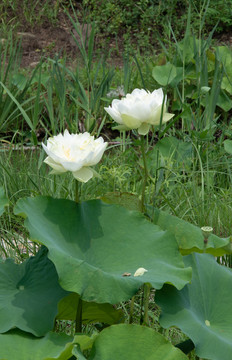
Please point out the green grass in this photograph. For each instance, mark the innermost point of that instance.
(24, 174)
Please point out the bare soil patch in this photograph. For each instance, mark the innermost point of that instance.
(49, 39)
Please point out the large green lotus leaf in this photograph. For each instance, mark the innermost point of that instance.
(228, 146)
(94, 247)
(172, 150)
(187, 49)
(225, 55)
(82, 342)
(3, 200)
(123, 342)
(85, 342)
(29, 294)
(76, 351)
(167, 74)
(202, 309)
(175, 149)
(190, 237)
(91, 312)
(18, 345)
(226, 84)
(224, 101)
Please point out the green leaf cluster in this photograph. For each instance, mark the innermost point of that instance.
(91, 251)
(204, 72)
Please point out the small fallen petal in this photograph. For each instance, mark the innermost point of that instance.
(126, 274)
(140, 272)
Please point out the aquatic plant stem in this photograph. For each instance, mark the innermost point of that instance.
(131, 310)
(76, 191)
(146, 289)
(145, 174)
(123, 141)
(78, 325)
(141, 306)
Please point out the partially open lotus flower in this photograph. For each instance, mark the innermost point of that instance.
(139, 110)
(75, 153)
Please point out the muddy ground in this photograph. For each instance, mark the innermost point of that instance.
(50, 40)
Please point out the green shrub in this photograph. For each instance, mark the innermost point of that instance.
(219, 10)
(144, 21)
(136, 21)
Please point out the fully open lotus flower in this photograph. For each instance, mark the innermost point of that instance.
(139, 110)
(75, 153)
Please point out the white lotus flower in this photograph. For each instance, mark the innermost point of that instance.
(75, 153)
(139, 110)
(140, 272)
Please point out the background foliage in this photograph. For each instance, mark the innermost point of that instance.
(143, 44)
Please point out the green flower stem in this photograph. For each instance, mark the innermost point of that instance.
(131, 310)
(78, 326)
(146, 289)
(141, 306)
(145, 175)
(54, 185)
(76, 191)
(124, 141)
